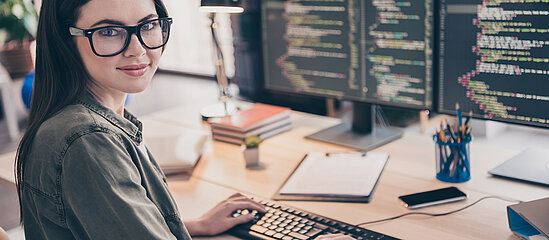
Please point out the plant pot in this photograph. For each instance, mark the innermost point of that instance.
(251, 156)
(17, 59)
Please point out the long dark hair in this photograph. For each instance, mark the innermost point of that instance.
(60, 77)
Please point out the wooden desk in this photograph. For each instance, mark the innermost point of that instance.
(222, 172)
(410, 169)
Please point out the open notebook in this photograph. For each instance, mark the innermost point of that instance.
(178, 152)
(348, 177)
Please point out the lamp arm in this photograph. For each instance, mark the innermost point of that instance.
(221, 77)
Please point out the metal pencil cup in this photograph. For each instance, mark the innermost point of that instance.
(452, 161)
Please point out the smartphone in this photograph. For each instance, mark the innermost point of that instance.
(434, 197)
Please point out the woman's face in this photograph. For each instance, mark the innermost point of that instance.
(131, 70)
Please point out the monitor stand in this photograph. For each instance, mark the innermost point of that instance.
(362, 134)
(530, 165)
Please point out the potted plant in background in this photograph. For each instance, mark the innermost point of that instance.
(251, 150)
(18, 25)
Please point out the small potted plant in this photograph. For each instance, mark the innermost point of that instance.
(18, 24)
(251, 150)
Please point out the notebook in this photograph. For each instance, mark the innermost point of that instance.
(179, 152)
(345, 177)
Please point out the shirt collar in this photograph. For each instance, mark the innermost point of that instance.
(129, 123)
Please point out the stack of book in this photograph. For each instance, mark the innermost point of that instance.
(262, 120)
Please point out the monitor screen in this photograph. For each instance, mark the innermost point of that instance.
(366, 51)
(494, 60)
(370, 52)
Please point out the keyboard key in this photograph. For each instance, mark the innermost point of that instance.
(270, 233)
(313, 232)
(279, 229)
(258, 229)
(278, 235)
(298, 235)
(321, 226)
(287, 238)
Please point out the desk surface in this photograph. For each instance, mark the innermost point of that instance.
(221, 172)
(410, 169)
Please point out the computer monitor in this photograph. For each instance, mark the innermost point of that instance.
(369, 52)
(494, 61)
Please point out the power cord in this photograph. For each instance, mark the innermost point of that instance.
(436, 214)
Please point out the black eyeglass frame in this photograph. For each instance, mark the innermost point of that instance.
(74, 31)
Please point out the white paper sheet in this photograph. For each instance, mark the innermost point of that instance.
(342, 174)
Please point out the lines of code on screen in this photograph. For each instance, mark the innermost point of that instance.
(376, 51)
(494, 59)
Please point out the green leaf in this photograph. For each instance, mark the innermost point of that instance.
(252, 141)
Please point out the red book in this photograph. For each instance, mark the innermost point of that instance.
(248, 119)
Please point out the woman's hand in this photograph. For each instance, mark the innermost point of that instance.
(338, 236)
(219, 219)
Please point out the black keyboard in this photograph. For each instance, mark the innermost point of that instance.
(281, 222)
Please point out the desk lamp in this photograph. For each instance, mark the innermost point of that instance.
(224, 107)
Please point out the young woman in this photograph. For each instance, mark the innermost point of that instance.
(83, 171)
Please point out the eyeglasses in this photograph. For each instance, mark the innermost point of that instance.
(109, 41)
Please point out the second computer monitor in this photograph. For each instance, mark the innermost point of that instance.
(494, 60)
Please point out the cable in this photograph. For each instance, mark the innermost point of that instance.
(436, 214)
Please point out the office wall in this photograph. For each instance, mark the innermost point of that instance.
(189, 48)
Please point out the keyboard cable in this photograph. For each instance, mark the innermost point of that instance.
(436, 214)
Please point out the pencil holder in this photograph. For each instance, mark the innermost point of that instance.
(452, 161)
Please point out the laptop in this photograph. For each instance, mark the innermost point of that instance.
(531, 165)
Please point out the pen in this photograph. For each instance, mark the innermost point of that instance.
(451, 131)
(458, 110)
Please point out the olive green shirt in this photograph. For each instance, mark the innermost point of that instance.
(86, 178)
